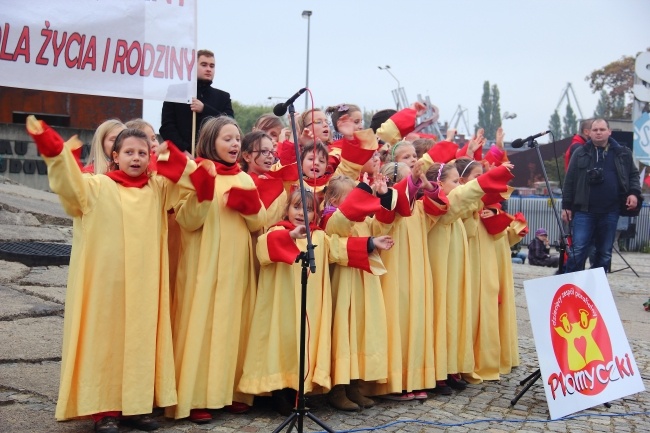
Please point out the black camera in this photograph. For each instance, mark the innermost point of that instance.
(596, 176)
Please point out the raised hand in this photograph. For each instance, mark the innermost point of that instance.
(419, 108)
(451, 133)
(380, 185)
(383, 242)
(499, 138)
(300, 232)
(417, 171)
(345, 125)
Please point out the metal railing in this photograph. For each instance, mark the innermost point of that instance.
(538, 213)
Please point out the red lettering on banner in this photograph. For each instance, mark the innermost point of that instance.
(80, 40)
(3, 46)
(157, 72)
(147, 48)
(189, 63)
(90, 56)
(47, 33)
(133, 69)
(121, 51)
(175, 63)
(22, 49)
(58, 48)
(106, 51)
(180, 2)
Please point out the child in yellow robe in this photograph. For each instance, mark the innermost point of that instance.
(272, 355)
(453, 301)
(216, 284)
(117, 348)
(359, 328)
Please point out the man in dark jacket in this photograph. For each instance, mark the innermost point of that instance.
(601, 176)
(176, 122)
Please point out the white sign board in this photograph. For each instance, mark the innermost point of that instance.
(143, 49)
(584, 356)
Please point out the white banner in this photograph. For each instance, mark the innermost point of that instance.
(143, 49)
(584, 356)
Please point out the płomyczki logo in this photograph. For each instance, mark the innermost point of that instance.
(582, 346)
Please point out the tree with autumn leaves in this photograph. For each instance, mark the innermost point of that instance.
(614, 81)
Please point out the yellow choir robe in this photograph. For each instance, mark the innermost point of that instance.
(117, 346)
(408, 299)
(215, 292)
(485, 291)
(507, 308)
(272, 355)
(359, 328)
(450, 267)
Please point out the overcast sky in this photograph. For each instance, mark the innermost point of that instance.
(444, 49)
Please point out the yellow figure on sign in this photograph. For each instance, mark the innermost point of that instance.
(587, 326)
(571, 331)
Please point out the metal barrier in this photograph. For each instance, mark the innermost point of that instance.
(538, 213)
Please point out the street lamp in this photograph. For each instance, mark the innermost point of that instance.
(399, 95)
(307, 14)
(387, 69)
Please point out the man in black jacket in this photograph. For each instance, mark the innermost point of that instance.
(601, 176)
(176, 122)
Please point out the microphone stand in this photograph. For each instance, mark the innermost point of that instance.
(530, 380)
(306, 259)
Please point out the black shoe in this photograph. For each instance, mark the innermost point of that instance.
(108, 424)
(140, 422)
(442, 388)
(280, 403)
(456, 382)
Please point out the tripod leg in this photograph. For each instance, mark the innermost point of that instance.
(290, 419)
(531, 382)
(320, 423)
(529, 377)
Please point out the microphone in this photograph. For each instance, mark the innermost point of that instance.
(281, 108)
(519, 142)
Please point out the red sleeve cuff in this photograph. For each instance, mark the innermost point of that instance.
(403, 206)
(282, 249)
(173, 166)
(357, 249)
(269, 190)
(497, 223)
(286, 152)
(48, 142)
(244, 201)
(405, 121)
(359, 204)
(495, 180)
(443, 151)
(203, 183)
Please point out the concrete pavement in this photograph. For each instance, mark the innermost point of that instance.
(31, 320)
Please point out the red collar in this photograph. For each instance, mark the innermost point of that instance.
(289, 226)
(222, 168)
(319, 181)
(128, 181)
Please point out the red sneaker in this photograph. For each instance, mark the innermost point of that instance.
(237, 407)
(200, 416)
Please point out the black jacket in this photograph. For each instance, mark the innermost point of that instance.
(176, 122)
(538, 252)
(575, 196)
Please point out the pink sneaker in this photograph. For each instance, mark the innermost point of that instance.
(420, 395)
(399, 397)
